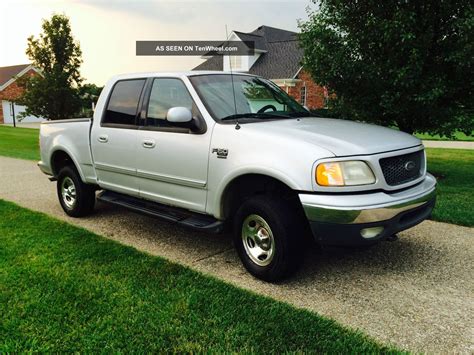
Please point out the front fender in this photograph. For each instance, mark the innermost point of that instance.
(216, 196)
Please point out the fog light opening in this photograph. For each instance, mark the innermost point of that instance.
(371, 232)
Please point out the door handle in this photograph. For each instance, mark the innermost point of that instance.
(148, 143)
(103, 138)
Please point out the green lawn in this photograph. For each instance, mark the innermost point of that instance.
(454, 169)
(64, 289)
(19, 142)
(458, 136)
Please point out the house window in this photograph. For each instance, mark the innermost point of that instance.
(236, 62)
(303, 95)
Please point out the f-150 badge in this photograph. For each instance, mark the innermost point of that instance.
(221, 152)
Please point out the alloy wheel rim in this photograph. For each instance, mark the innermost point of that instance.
(258, 241)
(68, 192)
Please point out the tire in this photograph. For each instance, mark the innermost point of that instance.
(76, 198)
(269, 237)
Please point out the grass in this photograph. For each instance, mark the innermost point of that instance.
(458, 136)
(64, 289)
(20, 143)
(454, 169)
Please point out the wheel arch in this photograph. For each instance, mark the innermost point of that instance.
(61, 158)
(243, 186)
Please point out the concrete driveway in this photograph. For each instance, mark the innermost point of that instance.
(416, 293)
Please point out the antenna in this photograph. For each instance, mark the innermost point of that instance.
(237, 126)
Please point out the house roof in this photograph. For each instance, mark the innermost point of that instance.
(281, 59)
(260, 41)
(213, 63)
(7, 73)
(273, 34)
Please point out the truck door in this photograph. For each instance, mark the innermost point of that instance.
(114, 138)
(171, 160)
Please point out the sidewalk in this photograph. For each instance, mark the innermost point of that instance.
(449, 144)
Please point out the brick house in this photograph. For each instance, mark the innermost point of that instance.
(10, 92)
(277, 57)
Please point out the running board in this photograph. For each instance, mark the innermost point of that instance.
(172, 214)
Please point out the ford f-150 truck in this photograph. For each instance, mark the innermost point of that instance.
(211, 150)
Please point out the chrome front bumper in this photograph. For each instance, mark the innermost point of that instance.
(339, 219)
(366, 208)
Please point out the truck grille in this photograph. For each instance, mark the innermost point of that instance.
(402, 168)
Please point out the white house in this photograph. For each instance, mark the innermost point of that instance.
(10, 92)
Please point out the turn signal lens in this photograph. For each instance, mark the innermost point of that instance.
(329, 174)
(344, 173)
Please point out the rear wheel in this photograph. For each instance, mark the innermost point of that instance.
(269, 237)
(76, 198)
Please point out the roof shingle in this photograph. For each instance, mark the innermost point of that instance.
(282, 61)
(213, 63)
(273, 34)
(260, 42)
(7, 73)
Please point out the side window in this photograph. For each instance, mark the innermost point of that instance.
(123, 103)
(165, 94)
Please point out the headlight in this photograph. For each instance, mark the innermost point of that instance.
(344, 173)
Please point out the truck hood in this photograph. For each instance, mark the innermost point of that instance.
(340, 137)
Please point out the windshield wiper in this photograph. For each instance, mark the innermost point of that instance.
(254, 115)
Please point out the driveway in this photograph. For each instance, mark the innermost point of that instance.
(416, 293)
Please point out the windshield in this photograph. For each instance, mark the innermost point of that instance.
(255, 98)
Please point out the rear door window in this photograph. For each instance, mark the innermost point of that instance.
(123, 103)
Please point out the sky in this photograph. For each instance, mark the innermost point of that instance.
(107, 30)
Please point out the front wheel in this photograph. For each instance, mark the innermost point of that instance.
(268, 236)
(76, 198)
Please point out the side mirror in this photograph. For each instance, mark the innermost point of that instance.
(179, 115)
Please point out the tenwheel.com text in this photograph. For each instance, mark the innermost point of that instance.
(200, 48)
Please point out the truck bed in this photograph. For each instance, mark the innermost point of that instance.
(71, 136)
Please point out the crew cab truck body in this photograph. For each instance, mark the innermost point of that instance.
(210, 149)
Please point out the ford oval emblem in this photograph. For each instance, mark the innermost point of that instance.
(410, 165)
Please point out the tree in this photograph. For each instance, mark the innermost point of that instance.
(53, 94)
(88, 93)
(403, 63)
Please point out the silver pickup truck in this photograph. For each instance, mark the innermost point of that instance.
(211, 151)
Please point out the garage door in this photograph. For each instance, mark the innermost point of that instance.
(8, 115)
